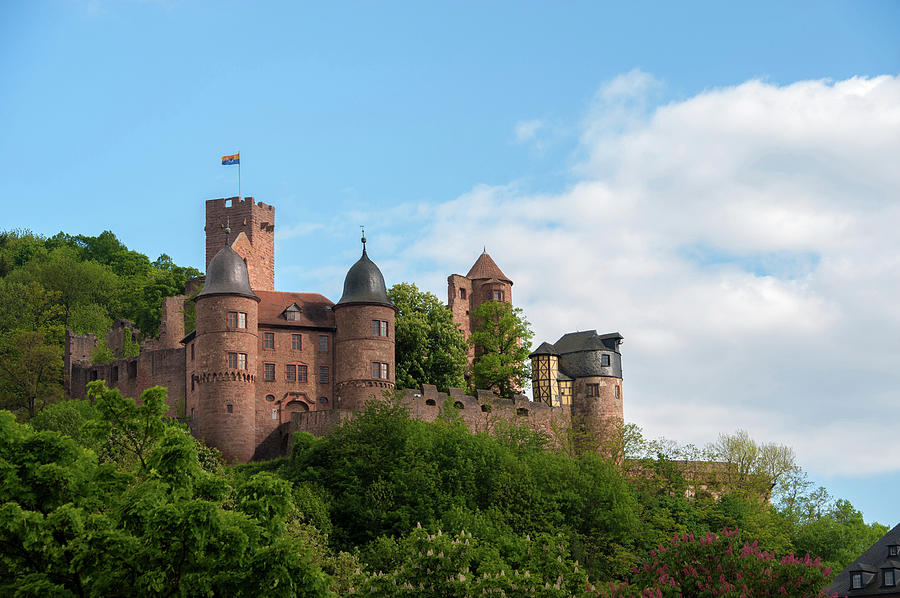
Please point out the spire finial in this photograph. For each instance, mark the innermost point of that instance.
(227, 229)
(362, 227)
(484, 250)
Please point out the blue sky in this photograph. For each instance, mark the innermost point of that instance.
(713, 180)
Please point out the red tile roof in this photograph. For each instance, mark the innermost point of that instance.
(485, 267)
(315, 309)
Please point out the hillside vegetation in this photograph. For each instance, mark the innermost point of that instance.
(112, 499)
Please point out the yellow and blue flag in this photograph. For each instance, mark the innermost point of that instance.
(229, 160)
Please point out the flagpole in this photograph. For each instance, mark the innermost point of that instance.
(239, 176)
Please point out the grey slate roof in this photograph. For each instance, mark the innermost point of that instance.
(227, 275)
(873, 560)
(581, 354)
(364, 284)
(545, 348)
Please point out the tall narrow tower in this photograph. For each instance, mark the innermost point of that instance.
(364, 337)
(253, 238)
(226, 342)
(484, 282)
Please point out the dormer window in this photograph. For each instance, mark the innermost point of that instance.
(887, 577)
(292, 312)
(856, 581)
(893, 550)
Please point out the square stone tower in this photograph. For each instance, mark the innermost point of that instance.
(252, 236)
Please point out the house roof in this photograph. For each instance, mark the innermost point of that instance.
(874, 559)
(587, 340)
(544, 348)
(485, 267)
(315, 309)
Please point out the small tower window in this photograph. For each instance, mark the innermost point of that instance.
(270, 372)
(229, 408)
(604, 360)
(268, 340)
(497, 295)
(379, 370)
(593, 390)
(462, 293)
(237, 319)
(242, 320)
(232, 361)
(323, 343)
(617, 392)
(379, 328)
(242, 361)
(296, 342)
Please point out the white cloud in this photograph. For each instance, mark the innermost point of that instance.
(527, 129)
(744, 241)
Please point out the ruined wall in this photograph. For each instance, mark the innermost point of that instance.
(78, 349)
(134, 375)
(171, 323)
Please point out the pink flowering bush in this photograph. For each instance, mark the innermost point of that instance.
(719, 565)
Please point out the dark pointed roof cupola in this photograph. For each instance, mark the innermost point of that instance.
(227, 275)
(364, 283)
(485, 267)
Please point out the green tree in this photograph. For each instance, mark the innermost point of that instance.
(430, 349)
(502, 341)
(157, 525)
(30, 371)
(759, 468)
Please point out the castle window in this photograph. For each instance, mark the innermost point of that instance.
(323, 343)
(115, 373)
(323, 374)
(893, 550)
(296, 342)
(379, 370)
(604, 360)
(497, 295)
(323, 400)
(269, 372)
(856, 581)
(93, 374)
(229, 408)
(268, 340)
(232, 361)
(379, 328)
(242, 361)
(593, 390)
(242, 320)
(462, 293)
(270, 398)
(617, 392)
(132, 369)
(887, 577)
(232, 319)
(301, 373)
(193, 380)
(192, 351)
(290, 372)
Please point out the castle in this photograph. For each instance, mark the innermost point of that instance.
(260, 365)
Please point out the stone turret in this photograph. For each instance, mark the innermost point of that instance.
(364, 337)
(226, 339)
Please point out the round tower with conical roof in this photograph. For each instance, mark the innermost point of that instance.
(227, 311)
(364, 337)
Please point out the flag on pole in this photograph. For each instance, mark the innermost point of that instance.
(229, 160)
